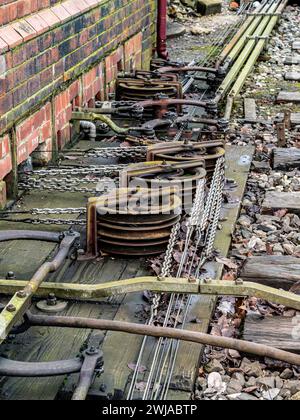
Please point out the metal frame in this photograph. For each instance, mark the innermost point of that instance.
(73, 291)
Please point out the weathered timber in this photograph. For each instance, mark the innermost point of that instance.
(272, 270)
(296, 44)
(273, 331)
(292, 75)
(295, 118)
(290, 97)
(250, 109)
(286, 158)
(281, 200)
(238, 162)
(291, 60)
(209, 7)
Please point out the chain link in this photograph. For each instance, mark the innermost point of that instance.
(119, 152)
(104, 170)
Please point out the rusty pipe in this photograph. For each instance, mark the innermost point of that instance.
(12, 235)
(170, 102)
(161, 46)
(16, 369)
(177, 334)
(186, 69)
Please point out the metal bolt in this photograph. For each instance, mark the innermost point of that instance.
(51, 301)
(11, 308)
(10, 275)
(21, 294)
(92, 350)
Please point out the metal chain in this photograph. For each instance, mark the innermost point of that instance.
(48, 222)
(118, 152)
(61, 181)
(105, 170)
(40, 185)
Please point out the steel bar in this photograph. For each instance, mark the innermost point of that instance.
(14, 368)
(21, 300)
(12, 235)
(191, 336)
(73, 291)
(92, 357)
(237, 37)
(272, 21)
(250, 45)
(187, 69)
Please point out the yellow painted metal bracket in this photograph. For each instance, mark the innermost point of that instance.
(73, 291)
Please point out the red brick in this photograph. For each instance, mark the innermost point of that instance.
(82, 5)
(3, 46)
(33, 141)
(10, 36)
(93, 2)
(5, 166)
(46, 131)
(49, 17)
(71, 7)
(24, 29)
(4, 146)
(22, 153)
(61, 12)
(38, 24)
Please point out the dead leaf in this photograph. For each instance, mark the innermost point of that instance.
(141, 369)
(227, 262)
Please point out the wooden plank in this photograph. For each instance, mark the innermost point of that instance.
(290, 97)
(296, 44)
(286, 158)
(292, 75)
(118, 356)
(272, 270)
(291, 60)
(238, 162)
(250, 109)
(273, 331)
(281, 200)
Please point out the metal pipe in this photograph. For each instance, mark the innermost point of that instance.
(161, 47)
(89, 125)
(190, 336)
(14, 368)
(260, 44)
(245, 53)
(237, 37)
(12, 235)
(170, 69)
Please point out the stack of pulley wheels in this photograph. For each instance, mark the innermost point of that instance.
(208, 152)
(142, 89)
(136, 222)
(158, 175)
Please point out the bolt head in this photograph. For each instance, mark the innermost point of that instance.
(11, 308)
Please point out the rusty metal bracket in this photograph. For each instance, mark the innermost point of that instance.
(92, 366)
(72, 291)
(19, 303)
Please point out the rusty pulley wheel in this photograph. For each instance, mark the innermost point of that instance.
(141, 227)
(133, 222)
(209, 152)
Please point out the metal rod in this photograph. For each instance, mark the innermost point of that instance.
(14, 368)
(191, 336)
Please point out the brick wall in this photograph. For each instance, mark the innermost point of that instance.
(67, 54)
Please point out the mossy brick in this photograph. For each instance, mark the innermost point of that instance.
(2, 193)
(209, 7)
